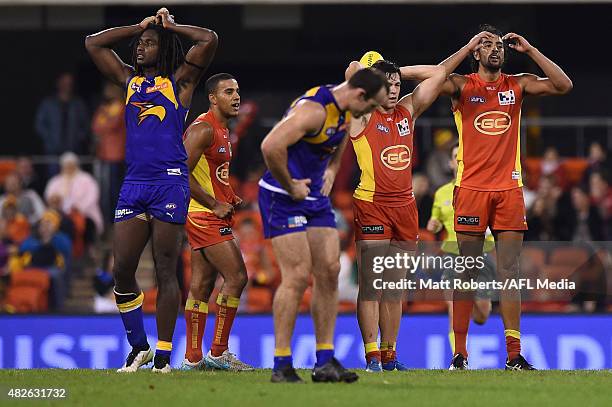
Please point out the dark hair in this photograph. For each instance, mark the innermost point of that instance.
(493, 30)
(386, 67)
(170, 55)
(454, 146)
(370, 80)
(213, 81)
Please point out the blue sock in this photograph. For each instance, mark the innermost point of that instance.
(281, 361)
(324, 356)
(163, 348)
(130, 308)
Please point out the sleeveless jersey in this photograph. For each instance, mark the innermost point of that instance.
(488, 117)
(155, 120)
(384, 154)
(212, 169)
(308, 158)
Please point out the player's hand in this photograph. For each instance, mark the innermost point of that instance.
(237, 201)
(434, 225)
(477, 40)
(165, 18)
(328, 181)
(145, 23)
(299, 189)
(222, 210)
(518, 42)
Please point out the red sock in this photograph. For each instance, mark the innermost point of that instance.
(462, 311)
(228, 306)
(388, 355)
(513, 343)
(374, 354)
(195, 319)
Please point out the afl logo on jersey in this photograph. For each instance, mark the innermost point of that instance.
(223, 173)
(493, 123)
(396, 157)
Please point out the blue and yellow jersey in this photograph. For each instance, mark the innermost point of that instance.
(308, 158)
(155, 119)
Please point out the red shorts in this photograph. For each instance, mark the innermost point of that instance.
(205, 229)
(500, 210)
(376, 222)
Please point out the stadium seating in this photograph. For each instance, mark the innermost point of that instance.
(29, 291)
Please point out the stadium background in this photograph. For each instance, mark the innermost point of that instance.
(277, 51)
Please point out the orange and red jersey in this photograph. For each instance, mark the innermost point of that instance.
(384, 153)
(212, 170)
(488, 119)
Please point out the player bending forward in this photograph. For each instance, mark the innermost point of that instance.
(303, 153)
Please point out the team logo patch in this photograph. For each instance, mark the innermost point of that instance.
(506, 98)
(373, 229)
(477, 99)
(222, 150)
(330, 131)
(174, 171)
(403, 127)
(296, 221)
(516, 175)
(147, 109)
(170, 206)
(120, 213)
(382, 128)
(493, 123)
(135, 87)
(491, 88)
(222, 173)
(468, 220)
(224, 231)
(396, 157)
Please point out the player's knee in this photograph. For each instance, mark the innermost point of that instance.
(166, 280)
(297, 283)
(328, 276)
(237, 280)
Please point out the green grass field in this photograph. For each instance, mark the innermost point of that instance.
(414, 388)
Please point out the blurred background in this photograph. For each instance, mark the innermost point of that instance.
(61, 160)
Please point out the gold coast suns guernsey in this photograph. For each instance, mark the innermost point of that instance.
(212, 169)
(384, 154)
(488, 119)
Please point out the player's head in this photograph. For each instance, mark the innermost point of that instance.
(368, 89)
(452, 163)
(392, 73)
(159, 48)
(223, 93)
(493, 53)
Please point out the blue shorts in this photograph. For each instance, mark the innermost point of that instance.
(281, 215)
(167, 203)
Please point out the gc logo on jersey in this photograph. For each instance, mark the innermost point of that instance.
(506, 98)
(493, 123)
(222, 173)
(396, 157)
(403, 127)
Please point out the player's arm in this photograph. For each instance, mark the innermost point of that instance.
(329, 176)
(198, 138)
(453, 85)
(435, 225)
(306, 118)
(198, 58)
(427, 91)
(556, 81)
(99, 46)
